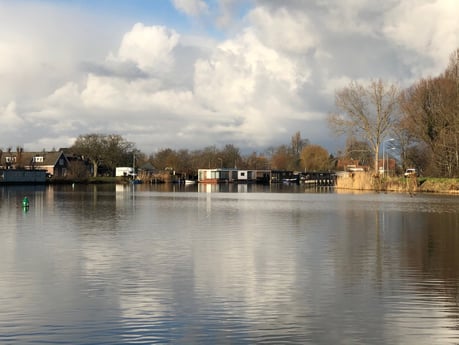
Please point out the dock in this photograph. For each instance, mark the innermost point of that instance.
(315, 178)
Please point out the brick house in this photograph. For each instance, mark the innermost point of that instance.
(54, 162)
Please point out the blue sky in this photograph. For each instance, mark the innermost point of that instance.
(190, 73)
(159, 12)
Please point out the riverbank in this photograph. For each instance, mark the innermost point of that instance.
(367, 181)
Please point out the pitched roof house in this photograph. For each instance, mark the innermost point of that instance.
(54, 162)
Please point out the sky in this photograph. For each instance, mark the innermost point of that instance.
(188, 74)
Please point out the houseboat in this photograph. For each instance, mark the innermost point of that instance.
(229, 175)
(22, 176)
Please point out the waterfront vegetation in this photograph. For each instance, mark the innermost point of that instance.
(439, 185)
(412, 185)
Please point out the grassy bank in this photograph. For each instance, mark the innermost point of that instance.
(367, 181)
(439, 185)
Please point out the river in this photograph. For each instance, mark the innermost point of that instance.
(234, 264)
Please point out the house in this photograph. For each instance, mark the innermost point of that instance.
(351, 165)
(55, 163)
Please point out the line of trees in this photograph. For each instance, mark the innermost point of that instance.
(422, 121)
(105, 152)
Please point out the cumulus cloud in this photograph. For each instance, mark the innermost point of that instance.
(149, 47)
(233, 75)
(251, 86)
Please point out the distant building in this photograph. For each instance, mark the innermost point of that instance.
(351, 165)
(124, 171)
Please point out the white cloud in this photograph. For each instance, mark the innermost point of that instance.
(118, 96)
(191, 7)
(426, 28)
(11, 120)
(284, 30)
(149, 47)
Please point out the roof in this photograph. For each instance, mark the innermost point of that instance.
(147, 166)
(27, 158)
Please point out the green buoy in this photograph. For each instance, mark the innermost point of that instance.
(25, 202)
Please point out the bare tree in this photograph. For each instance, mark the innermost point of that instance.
(366, 111)
(431, 121)
(296, 146)
(431, 113)
(107, 149)
(166, 159)
(229, 156)
(256, 161)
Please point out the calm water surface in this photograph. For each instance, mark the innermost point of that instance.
(241, 265)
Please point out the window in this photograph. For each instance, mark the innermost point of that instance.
(10, 159)
(38, 159)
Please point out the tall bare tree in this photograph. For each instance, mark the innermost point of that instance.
(366, 111)
(432, 116)
(296, 146)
